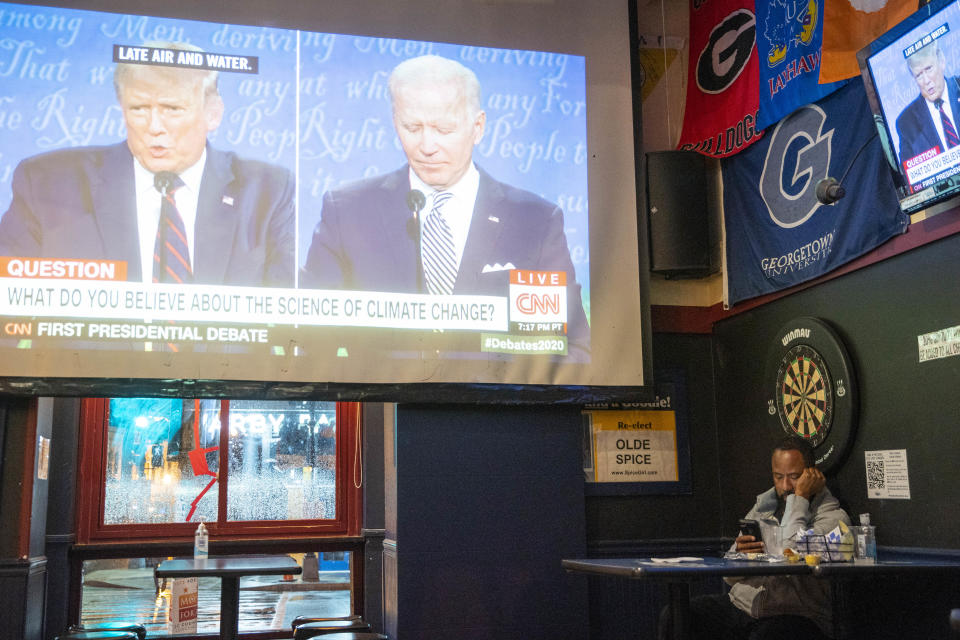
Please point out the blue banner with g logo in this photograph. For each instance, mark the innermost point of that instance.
(779, 232)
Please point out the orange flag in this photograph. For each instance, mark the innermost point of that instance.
(850, 25)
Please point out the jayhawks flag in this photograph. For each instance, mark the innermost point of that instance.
(720, 114)
(789, 36)
(778, 234)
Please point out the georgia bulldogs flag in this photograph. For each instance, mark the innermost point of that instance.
(723, 78)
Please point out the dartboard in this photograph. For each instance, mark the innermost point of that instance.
(805, 398)
(812, 390)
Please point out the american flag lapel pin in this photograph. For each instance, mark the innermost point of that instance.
(227, 200)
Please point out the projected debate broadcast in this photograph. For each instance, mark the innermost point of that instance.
(184, 187)
(915, 77)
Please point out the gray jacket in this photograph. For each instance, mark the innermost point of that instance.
(765, 596)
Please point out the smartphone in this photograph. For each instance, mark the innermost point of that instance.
(750, 528)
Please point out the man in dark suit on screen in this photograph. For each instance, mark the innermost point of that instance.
(930, 121)
(368, 240)
(166, 203)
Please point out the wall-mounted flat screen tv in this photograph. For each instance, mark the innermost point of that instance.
(912, 76)
(378, 192)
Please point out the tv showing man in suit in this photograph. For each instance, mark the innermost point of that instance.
(440, 224)
(930, 120)
(165, 202)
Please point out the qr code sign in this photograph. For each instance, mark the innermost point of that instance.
(876, 478)
(887, 474)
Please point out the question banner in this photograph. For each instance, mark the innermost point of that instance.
(64, 298)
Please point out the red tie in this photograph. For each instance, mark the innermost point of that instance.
(949, 132)
(171, 253)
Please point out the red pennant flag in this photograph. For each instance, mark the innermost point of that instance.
(723, 79)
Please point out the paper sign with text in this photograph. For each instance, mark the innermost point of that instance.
(183, 606)
(634, 446)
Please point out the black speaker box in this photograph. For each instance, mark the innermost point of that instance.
(678, 214)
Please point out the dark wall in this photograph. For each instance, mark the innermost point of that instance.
(904, 404)
(627, 519)
(489, 500)
(660, 524)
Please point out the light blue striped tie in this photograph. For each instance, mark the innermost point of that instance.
(439, 260)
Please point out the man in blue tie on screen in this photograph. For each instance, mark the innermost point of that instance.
(164, 202)
(930, 121)
(440, 224)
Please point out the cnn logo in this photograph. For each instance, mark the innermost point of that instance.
(538, 296)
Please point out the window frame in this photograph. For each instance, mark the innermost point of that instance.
(91, 487)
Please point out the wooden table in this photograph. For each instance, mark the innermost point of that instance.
(229, 569)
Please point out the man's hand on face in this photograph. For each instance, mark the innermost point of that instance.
(747, 544)
(809, 483)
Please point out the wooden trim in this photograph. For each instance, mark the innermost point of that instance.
(223, 467)
(91, 488)
(350, 464)
(158, 547)
(29, 473)
(669, 319)
(91, 470)
(690, 319)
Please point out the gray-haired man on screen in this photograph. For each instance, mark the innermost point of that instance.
(165, 202)
(930, 121)
(368, 240)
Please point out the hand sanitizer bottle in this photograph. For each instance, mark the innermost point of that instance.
(201, 542)
(866, 545)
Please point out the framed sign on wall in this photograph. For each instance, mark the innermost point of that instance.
(639, 447)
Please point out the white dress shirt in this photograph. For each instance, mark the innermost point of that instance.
(457, 211)
(148, 210)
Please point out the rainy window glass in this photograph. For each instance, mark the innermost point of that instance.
(162, 463)
(282, 460)
(161, 460)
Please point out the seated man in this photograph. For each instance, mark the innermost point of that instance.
(776, 607)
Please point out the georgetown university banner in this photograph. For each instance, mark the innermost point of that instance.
(778, 233)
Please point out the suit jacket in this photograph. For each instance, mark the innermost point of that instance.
(365, 242)
(915, 125)
(80, 204)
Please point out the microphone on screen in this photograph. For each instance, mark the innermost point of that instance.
(415, 202)
(164, 181)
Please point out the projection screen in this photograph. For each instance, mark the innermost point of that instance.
(231, 192)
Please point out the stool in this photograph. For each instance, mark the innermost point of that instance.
(80, 634)
(314, 629)
(129, 627)
(299, 620)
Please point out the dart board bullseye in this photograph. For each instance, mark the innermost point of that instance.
(813, 389)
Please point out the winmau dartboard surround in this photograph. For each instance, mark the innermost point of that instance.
(812, 389)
